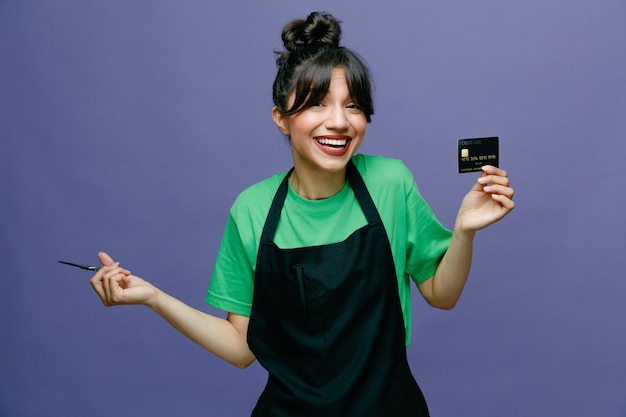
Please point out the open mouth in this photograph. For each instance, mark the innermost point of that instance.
(333, 143)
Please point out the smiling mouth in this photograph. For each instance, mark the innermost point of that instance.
(332, 142)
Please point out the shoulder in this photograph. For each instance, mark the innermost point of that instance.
(382, 171)
(255, 200)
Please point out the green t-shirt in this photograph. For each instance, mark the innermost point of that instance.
(417, 238)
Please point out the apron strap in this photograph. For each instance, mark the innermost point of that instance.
(274, 214)
(362, 195)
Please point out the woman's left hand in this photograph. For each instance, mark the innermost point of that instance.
(489, 200)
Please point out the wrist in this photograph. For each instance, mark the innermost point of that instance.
(153, 301)
(463, 233)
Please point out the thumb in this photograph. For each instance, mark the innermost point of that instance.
(105, 259)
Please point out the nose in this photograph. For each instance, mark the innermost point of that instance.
(336, 119)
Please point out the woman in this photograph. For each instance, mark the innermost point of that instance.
(314, 264)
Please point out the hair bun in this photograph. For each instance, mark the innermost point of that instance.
(318, 29)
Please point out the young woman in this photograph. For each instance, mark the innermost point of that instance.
(315, 264)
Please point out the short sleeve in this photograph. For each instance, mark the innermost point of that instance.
(427, 238)
(232, 283)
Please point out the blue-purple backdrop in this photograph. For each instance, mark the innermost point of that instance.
(131, 126)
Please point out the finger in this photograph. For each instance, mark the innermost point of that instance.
(96, 284)
(119, 270)
(116, 269)
(493, 179)
(109, 285)
(102, 282)
(505, 201)
(114, 281)
(125, 280)
(491, 170)
(105, 259)
(499, 189)
(98, 276)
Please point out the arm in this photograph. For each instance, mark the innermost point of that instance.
(225, 338)
(489, 200)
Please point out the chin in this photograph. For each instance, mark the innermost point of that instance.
(335, 164)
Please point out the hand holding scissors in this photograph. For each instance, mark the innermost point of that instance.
(115, 285)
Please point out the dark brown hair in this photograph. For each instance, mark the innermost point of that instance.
(312, 52)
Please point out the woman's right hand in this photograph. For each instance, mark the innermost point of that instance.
(116, 286)
(225, 338)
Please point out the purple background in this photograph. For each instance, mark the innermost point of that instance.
(131, 126)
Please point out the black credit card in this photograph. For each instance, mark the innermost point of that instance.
(476, 152)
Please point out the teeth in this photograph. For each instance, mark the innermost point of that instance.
(332, 142)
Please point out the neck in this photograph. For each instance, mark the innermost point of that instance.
(317, 185)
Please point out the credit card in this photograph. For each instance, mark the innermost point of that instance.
(476, 152)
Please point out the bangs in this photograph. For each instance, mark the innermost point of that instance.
(313, 81)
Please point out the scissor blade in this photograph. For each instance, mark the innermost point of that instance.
(83, 267)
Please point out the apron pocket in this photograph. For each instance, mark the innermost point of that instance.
(305, 291)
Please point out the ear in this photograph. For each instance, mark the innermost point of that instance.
(280, 120)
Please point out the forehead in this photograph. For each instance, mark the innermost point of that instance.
(337, 83)
(338, 79)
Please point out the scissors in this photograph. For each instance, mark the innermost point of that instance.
(83, 267)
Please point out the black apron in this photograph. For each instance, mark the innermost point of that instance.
(326, 323)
